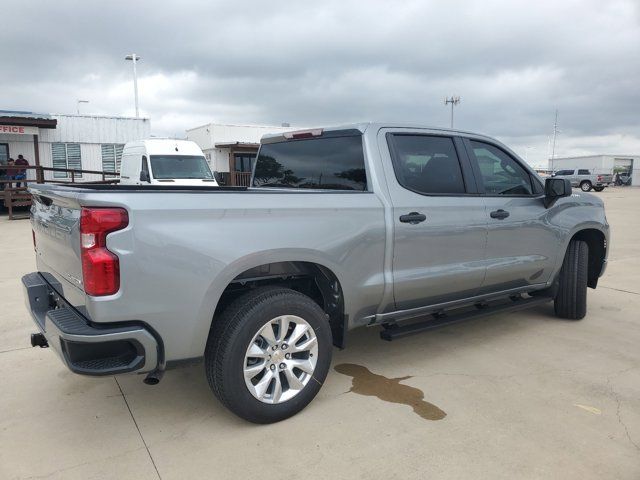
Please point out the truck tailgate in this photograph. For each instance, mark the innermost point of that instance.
(55, 219)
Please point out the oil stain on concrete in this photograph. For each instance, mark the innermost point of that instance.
(364, 382)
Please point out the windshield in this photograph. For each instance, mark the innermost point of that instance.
(335, 163)
(180, 166)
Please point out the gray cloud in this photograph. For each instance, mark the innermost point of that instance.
(513, 63)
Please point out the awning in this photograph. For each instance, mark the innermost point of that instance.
(237, 145)
(27, 119)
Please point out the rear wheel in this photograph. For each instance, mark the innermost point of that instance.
(598, 189)
(269, 354)
(585, 186)
(571, 299)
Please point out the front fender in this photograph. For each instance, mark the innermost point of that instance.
(575, 214)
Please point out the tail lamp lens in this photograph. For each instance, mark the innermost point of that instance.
(100, 267)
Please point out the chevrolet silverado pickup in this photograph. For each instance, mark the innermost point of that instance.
(403, 227)
(585, 180)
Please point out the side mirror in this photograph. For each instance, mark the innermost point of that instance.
(144, 176)
(555, 188)
(218, 177)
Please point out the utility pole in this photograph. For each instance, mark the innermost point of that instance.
(553, 143)
(134, 58)
(453, 101)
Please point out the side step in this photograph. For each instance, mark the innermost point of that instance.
(438, 320)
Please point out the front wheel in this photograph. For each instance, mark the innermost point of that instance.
(571, 299)
(268, 354)
(585, 186)
(598, 189)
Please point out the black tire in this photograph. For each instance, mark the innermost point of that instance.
(598, 189)
(585, 186)
(235, 329)
(571, 299)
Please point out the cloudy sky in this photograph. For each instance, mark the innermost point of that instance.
(328, 62)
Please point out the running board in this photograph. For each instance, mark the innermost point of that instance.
(395, 331)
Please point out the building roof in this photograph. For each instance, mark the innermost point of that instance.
(237, 145)
(27, 119)
(594, 155)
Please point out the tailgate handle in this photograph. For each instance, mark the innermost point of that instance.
(46, 201)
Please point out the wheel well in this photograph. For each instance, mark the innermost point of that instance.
(316, 281)
(597, 249)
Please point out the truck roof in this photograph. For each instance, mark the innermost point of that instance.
(362, 126)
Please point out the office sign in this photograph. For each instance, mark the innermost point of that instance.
(18, 130)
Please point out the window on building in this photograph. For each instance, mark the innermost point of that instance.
(243, 162)
(66, 155)
(111, 157)
(4, 153)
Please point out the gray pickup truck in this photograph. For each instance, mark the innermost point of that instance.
(585, 180)
(404, 227)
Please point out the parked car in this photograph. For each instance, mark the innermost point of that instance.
(161, 161)
(408, 228)
(584, 179)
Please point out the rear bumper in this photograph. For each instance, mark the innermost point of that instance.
(88, 348)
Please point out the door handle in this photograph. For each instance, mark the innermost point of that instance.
(499, 214)
(413, 218)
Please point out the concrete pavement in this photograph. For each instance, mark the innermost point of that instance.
(525, 395)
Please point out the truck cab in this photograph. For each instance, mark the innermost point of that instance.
(165, 162)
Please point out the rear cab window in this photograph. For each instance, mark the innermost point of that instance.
(330, 160)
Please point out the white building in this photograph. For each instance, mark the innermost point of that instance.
(231, 149)
(601, 164)
(86, 142)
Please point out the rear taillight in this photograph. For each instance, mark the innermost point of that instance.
(100, 267)
(599, 178)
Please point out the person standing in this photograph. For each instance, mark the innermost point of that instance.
(10, 172)
(22, 173)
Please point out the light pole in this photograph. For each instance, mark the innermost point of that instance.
(78, 102)
(453, 101)
(526, 152)
(553, 146)
(134, 58)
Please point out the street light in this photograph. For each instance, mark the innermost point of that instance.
(134, 58)
(453, 101)
(78, 102)
(526, 152)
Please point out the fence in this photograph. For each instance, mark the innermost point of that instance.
(15, 196)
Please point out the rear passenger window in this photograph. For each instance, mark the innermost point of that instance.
(427, 164)
(583, 172)
(501, 174)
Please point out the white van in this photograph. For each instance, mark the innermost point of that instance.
(160, 161)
